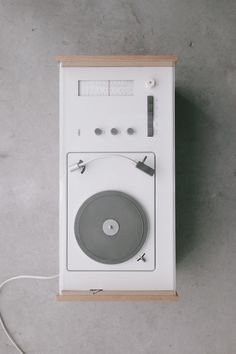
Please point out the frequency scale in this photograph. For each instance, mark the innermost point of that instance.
(117, 177)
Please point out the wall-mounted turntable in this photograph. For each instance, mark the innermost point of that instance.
(117, 178)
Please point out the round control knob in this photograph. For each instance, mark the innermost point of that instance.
(98, 131)
(114, 131)
(130, 131)
(150, 83)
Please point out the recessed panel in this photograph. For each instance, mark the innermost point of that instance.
(111, 220)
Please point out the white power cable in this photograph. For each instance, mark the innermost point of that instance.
(6, 331)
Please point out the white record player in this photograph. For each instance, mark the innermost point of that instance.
(117, 185)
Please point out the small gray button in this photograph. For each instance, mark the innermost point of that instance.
(130, 131)
(98, 131)
(114, 131)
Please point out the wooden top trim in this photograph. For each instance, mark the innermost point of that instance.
(118, 60)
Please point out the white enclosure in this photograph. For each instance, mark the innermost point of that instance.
(117, 135)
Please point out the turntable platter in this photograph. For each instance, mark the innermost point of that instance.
(110, 227)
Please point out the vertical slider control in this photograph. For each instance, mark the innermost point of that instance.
(150, 111)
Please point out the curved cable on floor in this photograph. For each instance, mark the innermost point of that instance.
(4, 327)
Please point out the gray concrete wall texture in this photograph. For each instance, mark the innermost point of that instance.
(202, 34)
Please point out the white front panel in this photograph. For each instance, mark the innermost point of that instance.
(113, 100)
(84, 114)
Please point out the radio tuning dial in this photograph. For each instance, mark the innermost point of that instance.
(150, 83)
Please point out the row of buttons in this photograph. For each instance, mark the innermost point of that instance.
(114, 131)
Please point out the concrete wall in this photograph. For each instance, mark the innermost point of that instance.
(202, 34)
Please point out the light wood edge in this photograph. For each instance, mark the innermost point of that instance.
(118, 297)
(118, 61)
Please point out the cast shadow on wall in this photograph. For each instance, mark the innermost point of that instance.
(190, 141)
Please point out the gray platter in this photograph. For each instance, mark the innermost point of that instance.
(110, 227)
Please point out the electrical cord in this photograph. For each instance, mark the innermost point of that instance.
(4, 327)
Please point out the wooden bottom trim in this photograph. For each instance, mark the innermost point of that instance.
(118, 296)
